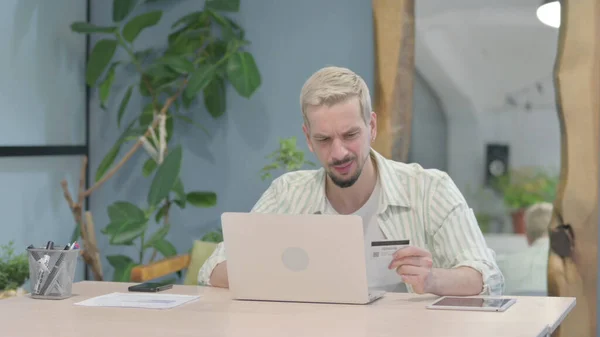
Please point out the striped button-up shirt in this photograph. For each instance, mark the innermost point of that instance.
(422, 205)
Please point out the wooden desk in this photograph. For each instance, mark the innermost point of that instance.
(215, 314)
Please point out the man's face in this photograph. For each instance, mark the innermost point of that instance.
(340, 139)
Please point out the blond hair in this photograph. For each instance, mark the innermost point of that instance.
(333, 85)
(537, 219)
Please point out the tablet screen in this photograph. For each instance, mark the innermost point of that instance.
(472, 302)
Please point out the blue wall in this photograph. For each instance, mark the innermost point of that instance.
(42, 99)
(290, 40)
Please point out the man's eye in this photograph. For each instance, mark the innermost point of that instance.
(352, 135)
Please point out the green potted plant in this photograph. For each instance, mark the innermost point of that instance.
(14, 271)
(287, 157)
(203, 53)
(485, 205)
(523, 187)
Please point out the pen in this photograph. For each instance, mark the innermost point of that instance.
(54, 274)
(43, 265)
(35, 255)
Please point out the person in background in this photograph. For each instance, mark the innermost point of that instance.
(525, 272)
(447, 254)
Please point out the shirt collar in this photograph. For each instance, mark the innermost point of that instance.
(393, 187)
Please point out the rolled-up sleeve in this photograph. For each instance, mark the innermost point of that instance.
(209, 265)
(458, 241)
(267, 203)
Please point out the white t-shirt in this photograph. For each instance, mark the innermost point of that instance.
(379, 277)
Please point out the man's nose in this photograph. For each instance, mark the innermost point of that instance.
(338, 150)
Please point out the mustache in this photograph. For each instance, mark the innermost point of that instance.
(342, 161)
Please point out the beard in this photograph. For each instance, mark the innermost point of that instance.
(346, 182)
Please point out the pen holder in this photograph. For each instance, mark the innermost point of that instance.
(51, 272)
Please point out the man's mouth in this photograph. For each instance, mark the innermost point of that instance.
(343, 168)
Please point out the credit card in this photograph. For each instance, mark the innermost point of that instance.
(386, 248)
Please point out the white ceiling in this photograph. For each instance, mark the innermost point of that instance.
(483, 56)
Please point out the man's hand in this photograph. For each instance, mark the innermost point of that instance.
(219, 277)
(414, 265)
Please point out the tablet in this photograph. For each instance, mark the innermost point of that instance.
(472, 303)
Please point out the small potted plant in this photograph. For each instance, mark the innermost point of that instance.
(522, 188)
(14, 271)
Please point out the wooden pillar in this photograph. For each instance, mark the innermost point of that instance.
(577, 81)
(394, 26)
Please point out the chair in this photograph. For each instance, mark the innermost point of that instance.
(191, 263)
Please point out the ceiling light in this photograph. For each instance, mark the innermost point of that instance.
(549, 13)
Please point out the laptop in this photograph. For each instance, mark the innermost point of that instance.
(296, 258)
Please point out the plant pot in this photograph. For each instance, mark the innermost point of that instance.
(518, 219)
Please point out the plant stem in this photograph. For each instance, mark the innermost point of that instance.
(142, 247)
(136, 146)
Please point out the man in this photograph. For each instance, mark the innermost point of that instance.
(447, 253)
(526, 272)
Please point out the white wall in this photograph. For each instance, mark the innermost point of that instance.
(429, 127)
(533, 136)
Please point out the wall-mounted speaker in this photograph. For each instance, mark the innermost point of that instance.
(496, 162)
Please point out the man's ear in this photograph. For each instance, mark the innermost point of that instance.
(307, 135)
(373, 125)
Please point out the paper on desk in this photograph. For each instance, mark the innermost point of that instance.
(138, 300)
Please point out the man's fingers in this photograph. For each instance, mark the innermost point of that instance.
(411, 279)
(413, 261)
(410, 270)
(415, 282)
(411, 251)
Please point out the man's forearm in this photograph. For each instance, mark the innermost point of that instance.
(218, 277)
(462, 281)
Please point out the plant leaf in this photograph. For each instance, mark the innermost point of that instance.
(149, 167)
(135, 26)
(187, 101)
(108, 160)
(190, 121)
(76, 233)
(147, 116)
(127, 231)
(123, 265)
(223, 5)
(202, 199)
(128, 222)
(170, 125)
(165, 177)
(166, 248)
(199, 79)
(86, 27)
(161, 213)
(122, 8)
(123, 104)
(157, 236)
(178, 63)
(243, 73)
(214, 97)
(100, 57)
(213, 236)
(180, 192)
(106, 84)
(122, 211)
(188, 19)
